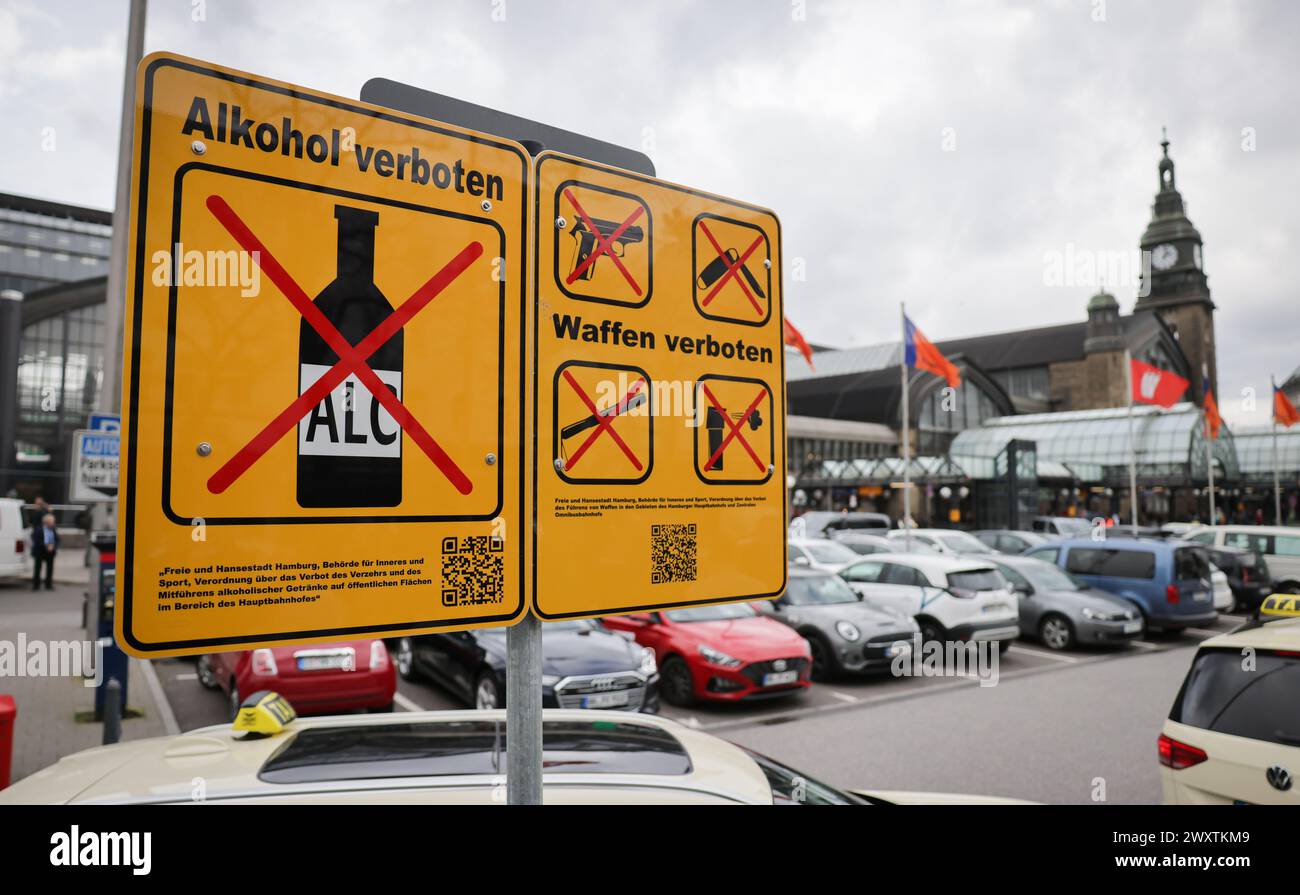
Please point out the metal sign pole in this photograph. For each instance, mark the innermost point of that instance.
(110, 391)
(905, 432)
(524, 712)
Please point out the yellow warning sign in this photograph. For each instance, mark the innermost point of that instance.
(323, 418)
(660, 395)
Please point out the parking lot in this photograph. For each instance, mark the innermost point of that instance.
(1104, 707)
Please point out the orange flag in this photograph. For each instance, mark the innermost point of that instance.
(795, 339)
(1283, 410)
(1212, 419)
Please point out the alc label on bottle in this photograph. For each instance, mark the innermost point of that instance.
(349, 422)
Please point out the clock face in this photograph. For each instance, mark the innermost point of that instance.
(1164, 256)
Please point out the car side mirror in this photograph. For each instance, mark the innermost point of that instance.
(801, 560)
(1024, 590)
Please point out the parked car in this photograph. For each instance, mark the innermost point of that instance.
(942, 540)
(1010, 542)
(865, 544)
(1278, 545)
(1221, 589)
(1061, 611)
(15, 561)
(323, 678)
(844, 632)
(725, 653)
(1061, 526)
(442, 758)
(1248, 575)
(950, 597)
(584, 666)
(1233, 736)
(818, 553)
(1168, 580)
(823, 523)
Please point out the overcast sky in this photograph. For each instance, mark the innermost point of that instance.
(935, 153)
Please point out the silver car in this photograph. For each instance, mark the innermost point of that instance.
(1061, 611)
(845, 632)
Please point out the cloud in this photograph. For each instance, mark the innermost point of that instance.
(841, 122)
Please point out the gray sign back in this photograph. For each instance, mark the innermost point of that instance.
(533, 134)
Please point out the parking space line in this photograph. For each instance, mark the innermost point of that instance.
(185, 677)
(165, 713)
(407, 703)
(1203, 632)
(1144, 644)
(843, 697)
(1028, 650)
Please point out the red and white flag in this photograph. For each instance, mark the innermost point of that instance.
(1152, 385)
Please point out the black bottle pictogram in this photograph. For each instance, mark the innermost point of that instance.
(349, 447)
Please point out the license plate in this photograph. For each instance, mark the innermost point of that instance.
(323, 663)
(780, 677)
(1200, 596)
(605, 700)
(1132, 627)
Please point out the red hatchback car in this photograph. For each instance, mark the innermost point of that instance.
(726, 653)
(319, 679)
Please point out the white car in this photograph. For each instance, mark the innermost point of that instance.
(1233, 734)
(437, 758)
(951, 597)
(1223, 599)
(943, 540)
(1279, 545)
(818, 553)
(15, 560)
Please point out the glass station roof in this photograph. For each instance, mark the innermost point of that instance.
(1094, 444)
(1255, 453)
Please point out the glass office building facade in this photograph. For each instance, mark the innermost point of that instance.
(56, 255)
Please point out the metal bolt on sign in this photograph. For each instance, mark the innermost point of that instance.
(560, 223)
(203, 449)
(487, 205)
(490, 459)
(198, 147)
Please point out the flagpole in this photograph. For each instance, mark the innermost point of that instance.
(1277, 477)
(1209, 453)
(907, 447)
(1132, 444)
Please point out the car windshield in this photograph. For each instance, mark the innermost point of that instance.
(818, 590)
(791, 787)
(963, 543)
(829, 552)
(575, 624)
(1069, 526)
(1260, 705)
(711, 613)
(977, 579)
(1045, 576)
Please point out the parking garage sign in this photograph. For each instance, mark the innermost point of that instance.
(94, 465)
(659, 395)
(323, 417)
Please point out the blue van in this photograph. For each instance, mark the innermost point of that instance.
(1167, 579)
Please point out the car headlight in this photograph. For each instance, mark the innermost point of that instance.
(1099, 615)
(648, 666)
(718, 657)
(848, 631)
(550, 680)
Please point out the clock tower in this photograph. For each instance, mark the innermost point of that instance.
(1177, 289)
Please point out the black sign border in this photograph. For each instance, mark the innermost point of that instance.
(537, 301)
(137, 298)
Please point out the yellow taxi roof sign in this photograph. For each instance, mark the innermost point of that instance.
(264, 713)
(1281, 606)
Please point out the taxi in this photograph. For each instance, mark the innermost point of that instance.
(271, 756)
(1233, 735)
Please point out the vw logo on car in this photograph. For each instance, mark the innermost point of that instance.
(1278, 777)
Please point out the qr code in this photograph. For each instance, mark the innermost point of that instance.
(672, 553)
(472, 570)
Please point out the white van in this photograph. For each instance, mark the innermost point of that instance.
(15, 557)
(1279, 545)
